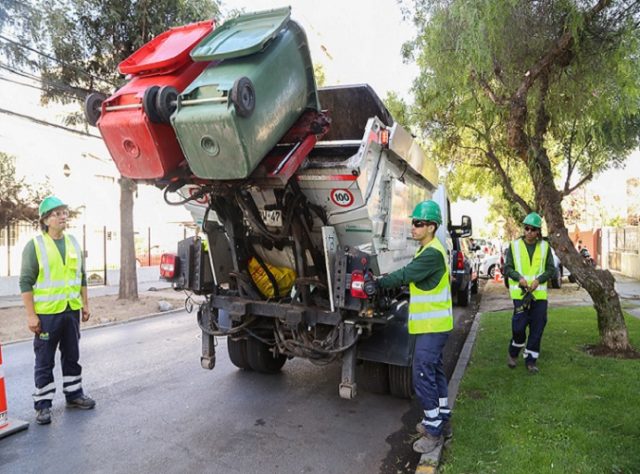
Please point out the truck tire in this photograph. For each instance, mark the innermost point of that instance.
(238, 353)
(261, 359)
(375, 377)
(400, 381)
(464, 295)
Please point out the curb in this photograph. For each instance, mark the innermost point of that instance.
(110, 323)
(429, 462)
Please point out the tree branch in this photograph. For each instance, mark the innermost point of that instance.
(560, 54)
(585, 178)
(506, 182)
(495, 98)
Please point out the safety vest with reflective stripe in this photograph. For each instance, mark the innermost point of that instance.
(529, 268)
(431, 310)
(58, 283)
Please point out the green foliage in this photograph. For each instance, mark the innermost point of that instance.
(399, 109)
(474, 57)
(508, 421)
(18, 200)
(85, 40)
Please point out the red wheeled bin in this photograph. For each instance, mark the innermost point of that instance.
(134, 122)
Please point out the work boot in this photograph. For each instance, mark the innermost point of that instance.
(427, 443)
(532, 369)
(43, 416)
(83, 402)
(511, 361)
(447, 431)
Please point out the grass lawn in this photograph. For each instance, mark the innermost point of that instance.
(580, 414)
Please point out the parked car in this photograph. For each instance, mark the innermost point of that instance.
(488, 266)
(464, 271)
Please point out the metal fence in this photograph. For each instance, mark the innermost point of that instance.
(101, 246)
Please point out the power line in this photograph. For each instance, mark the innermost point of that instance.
(64, 88)
(76, 68)
(24, 84)
(48, 124)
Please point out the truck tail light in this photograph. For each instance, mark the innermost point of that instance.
(168, 265)
(357, 284)
(460, 261)
(384, 137)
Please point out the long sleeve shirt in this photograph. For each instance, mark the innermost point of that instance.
(425, 271)
(30, 268)
(549, 268)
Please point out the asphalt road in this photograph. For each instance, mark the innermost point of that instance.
(159, 411)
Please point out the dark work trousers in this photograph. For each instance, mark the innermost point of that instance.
(536, 318)
(63, 329)
(429, 380)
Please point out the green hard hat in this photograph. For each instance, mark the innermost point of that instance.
(428, 211)
(533, 220)
(49, 203)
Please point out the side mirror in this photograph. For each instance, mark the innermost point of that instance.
(465, 226)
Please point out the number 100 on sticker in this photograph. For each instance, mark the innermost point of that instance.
(342, 197)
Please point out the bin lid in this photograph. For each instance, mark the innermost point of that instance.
(166, 52)
(242, 36)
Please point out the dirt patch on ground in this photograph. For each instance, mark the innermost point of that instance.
(104, 310)
(602, 351)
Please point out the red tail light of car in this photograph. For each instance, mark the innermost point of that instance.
(168, 265)
(460, 261)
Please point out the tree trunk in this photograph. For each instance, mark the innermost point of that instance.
(128, 277)
(598, 283)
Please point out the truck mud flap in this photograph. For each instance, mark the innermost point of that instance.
(391, 343)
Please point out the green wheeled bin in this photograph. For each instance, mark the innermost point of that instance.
(260, 82)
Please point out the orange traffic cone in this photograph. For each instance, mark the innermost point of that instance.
(497, 275)
(7, 425)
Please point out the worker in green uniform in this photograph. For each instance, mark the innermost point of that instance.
(431, 320)
(54, 293)
(529, 266)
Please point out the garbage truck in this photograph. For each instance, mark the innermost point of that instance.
(301, 194)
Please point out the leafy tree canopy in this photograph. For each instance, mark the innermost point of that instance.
(474, 57)
(19, 200)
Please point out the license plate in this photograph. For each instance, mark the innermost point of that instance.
(272, 218)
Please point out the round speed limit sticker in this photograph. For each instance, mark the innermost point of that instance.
(342, 197)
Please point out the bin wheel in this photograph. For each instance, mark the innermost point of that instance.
(166, 102)
(93, 107)
(243, 97)
(149, 104)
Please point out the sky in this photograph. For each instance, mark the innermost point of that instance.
(356, 41)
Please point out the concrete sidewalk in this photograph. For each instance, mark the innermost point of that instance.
(11, 301)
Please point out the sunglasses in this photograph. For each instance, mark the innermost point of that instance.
(530, 229)
(418, 223)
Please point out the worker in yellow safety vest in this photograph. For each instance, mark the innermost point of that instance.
(431, 320)
(54, 293)
(528, 267)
